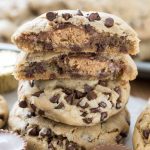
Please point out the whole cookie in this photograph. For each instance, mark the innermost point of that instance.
(74, 102)
(45, 66)
(141, 136)
(44, 134)
(3, 111)
(76, 31)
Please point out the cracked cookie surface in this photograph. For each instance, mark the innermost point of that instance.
(41, 133)
(44, 66)
(74, 102)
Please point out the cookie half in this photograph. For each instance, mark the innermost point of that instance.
(3, 111)
(76, 31)
(74, 102)
(44, 66)
(7, 63)
(141, 136)
(44, 134)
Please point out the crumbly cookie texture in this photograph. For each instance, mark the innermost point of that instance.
(44, 66)
(41, 133)
(141, 136)
(3, 111)
(74, 102)
(7, 63)
(73, 30)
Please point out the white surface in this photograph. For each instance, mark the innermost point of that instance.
(135, 107)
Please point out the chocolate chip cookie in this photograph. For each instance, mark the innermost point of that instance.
(141, 137)
(43, 134)
(44, 66)
(3, 111)
(74, 102)
(7, 63)
(77, 31)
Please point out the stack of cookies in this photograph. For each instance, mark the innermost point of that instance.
(74, 72)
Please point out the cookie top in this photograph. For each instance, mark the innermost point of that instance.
(3, 111)
(72, 30)
(74, 102)
(36, 130)
(141, 137)
(7, 61)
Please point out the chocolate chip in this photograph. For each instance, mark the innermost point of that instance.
(60, 139)
(94, 16)
(83, 106)
(37, 94)
(51, 16)
(31, 114)
(109, 22)
(88, 28)
(103, 83)
(23, 104)
(33, 131)
(61, 105)
(119, 139)
(52, 76)
(70, 98)
(67, 91)
(95, 110)
(33, 107)
(1, 117)
(71, 146)
(84, 114)
(102, 104)
(79, 13)
(118, 90)
(103, 116)
(146, 133)
(41, 112)
(118, 104)
(51, 147)
(75, 48)
(32, 83)
(45, 132)
(91, 95)
(66, 16)
(87, 88)
(87, 120)
(48, 46)
(79, 94)
(55, 98)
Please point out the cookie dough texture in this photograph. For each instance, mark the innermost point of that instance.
(84, 66)
(141, 136)
(74, 102)
(3, 111)
(43, 134)
(7, 62)
(72, 30)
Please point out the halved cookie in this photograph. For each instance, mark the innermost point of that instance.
(44, 66)
(76, 31)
